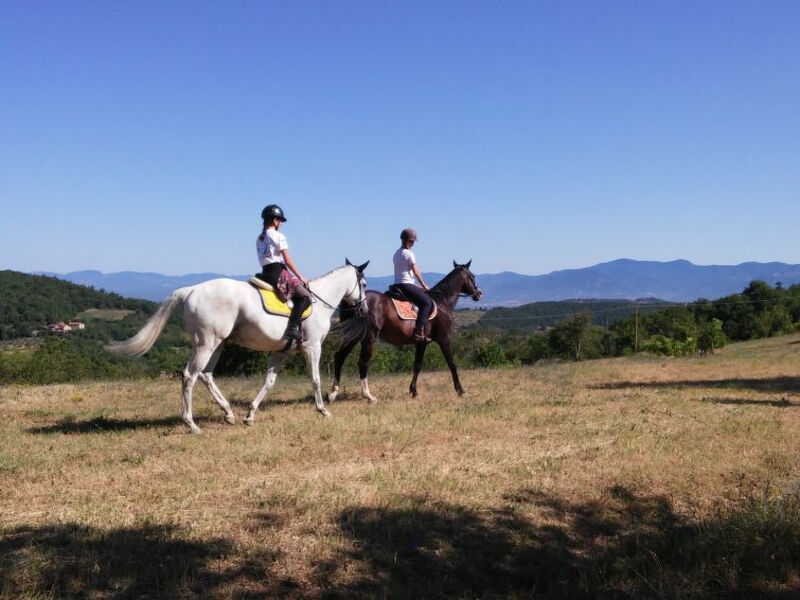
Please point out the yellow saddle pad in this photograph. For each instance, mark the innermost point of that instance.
(273, 305)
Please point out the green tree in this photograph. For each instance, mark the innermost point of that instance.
(569, 336)
(711, 336)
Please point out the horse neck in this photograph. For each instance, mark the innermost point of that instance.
(332, 287)
(447, 298)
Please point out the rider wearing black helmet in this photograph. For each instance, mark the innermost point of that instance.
(273, 254)
(405, 270)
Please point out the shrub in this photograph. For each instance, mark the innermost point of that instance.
(711, 336)
(489, 354)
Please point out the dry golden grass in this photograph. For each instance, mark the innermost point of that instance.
(608, 478)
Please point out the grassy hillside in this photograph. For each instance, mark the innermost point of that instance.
(28, 302)
(538, 315)
(104, 314)
(620, 478)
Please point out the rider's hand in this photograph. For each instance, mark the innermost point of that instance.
(304, 280)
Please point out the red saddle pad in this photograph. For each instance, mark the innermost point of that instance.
(408, 311)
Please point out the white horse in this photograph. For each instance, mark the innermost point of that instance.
(223, 310)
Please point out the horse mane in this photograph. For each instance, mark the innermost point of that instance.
(447, 285)
(331, 272)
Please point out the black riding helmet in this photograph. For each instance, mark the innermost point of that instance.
(272, 211)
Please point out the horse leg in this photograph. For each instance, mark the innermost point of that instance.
(447, 351)
(367, 347)
(201, 357)
(419, 354)
(275, 361)
(206, 376)
(313, 353)
(338, 362)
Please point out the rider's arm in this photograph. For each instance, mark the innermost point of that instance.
(290, 263)
(418, 275)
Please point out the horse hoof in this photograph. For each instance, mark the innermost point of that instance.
(196, 430)
(372, 400)
(326, 413)
(331, 396)
(462, 393)
(249, 422)
(230, 419)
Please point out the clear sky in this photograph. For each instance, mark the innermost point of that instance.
(529, 136)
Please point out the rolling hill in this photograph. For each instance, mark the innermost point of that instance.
(623, 279)
(28, 302)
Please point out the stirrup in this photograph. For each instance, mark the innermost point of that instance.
(293, 332)
(292, 335)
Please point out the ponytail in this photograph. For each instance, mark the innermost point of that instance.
(263, 232)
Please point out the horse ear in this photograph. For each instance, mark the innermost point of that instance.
(347, 262)
(455, 265)
(361, 268)
(469, 262)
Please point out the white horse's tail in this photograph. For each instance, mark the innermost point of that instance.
(147, 336)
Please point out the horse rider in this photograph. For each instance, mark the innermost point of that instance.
(405, 270)
(279, 270)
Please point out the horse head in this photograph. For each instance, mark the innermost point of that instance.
(467, 280)
(357, 297)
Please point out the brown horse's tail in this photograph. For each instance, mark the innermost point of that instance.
(350, 329)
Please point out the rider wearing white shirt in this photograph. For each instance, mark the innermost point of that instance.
(270, 247)
(405, 270)
(278, 269)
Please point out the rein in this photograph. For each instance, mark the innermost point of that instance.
(320, 298)
(331, 306)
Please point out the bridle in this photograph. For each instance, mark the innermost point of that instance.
(474, 285)
(471, 278)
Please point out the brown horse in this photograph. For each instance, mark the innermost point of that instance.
(381, 321)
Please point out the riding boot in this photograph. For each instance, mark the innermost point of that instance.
(419, 331)
(293, 331)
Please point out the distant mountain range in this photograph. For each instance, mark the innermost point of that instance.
(676, 281)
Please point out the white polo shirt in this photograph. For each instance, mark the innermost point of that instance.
(403, 261)
(269, 249)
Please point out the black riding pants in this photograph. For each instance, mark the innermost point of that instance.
(419, 297)
(301, 299)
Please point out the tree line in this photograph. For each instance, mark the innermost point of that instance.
(760, 310)
(28, 302)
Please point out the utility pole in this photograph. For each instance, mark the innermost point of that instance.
(636, 329)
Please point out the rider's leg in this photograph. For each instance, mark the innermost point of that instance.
(425, 305)
(301, 300)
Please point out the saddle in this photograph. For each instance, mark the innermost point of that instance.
(407, 310)
(270, 301)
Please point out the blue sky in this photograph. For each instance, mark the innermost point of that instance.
(528, 136)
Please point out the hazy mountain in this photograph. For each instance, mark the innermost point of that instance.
(136, 284)
(677, 280)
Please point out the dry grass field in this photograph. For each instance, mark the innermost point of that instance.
(636, 477)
